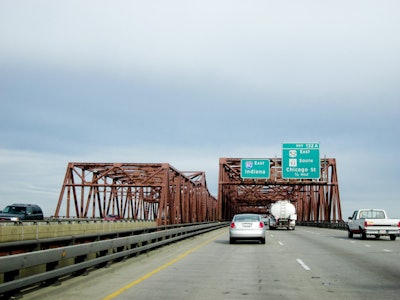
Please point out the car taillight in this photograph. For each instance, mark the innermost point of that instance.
(232, 225)
(261, 225)
(398, 224)
(365, 224)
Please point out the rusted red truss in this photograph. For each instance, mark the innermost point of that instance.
(136, 191)
(316, 200)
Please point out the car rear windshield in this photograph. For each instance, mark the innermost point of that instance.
(252, 218)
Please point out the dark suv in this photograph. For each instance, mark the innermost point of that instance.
(21, 212)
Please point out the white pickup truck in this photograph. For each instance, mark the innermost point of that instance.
(373, 222)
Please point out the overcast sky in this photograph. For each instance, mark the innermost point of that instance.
(188, 82)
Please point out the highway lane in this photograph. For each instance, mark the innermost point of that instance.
(308, 263)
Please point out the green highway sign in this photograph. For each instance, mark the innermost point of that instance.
(301, 161)
(254, 168)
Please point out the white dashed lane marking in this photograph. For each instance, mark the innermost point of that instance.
(303, 264)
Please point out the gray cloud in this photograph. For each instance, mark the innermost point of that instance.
(187, 83)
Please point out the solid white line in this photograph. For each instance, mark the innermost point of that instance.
(386, 250)
(303, 264)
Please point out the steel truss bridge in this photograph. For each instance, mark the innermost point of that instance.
(315, 200)
(136, 191)
(159, 192)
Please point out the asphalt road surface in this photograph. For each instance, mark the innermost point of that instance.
(308, 263)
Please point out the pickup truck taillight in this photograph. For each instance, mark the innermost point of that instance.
(366, 224)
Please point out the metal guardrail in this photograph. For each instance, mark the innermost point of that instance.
(21, 271)
(341, 225)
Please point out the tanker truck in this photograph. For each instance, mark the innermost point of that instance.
(283, 214)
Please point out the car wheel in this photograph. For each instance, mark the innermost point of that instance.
(349, 234)
(392, 237)
(262, 241)
(231, 241)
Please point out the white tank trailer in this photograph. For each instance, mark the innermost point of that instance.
(283, 215)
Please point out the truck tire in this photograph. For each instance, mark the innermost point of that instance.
(392, 237)
(363, 235)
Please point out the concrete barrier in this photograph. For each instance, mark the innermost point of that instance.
(21, 231)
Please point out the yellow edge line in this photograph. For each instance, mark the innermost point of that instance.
(155, 271)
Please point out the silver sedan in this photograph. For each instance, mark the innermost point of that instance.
(247, 227)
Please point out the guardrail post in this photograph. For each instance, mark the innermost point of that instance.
(49, 267)
(100, 254)
(78, 260)
(10, 276)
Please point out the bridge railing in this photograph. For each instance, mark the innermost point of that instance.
(21, 271)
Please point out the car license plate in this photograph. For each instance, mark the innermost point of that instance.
(246, 224)
(382, 231)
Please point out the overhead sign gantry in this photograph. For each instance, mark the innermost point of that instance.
(251, 185)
